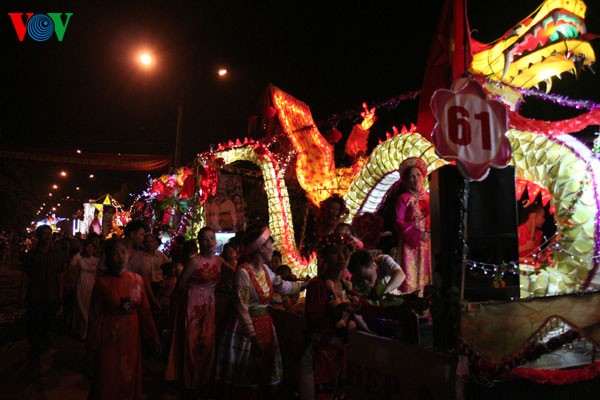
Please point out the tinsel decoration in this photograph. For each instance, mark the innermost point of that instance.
(559, 376)
(489, 371)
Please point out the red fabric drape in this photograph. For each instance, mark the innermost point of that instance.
(559, 376)
(97, 161)
(449, 57)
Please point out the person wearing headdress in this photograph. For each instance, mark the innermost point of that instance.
(412, 226)
(329, 314)
(249, 363)
(331, 212)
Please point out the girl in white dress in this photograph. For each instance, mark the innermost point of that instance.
(86, 263)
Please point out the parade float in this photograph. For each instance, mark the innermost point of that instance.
(103, 216)
(167, 205)
(557, 305)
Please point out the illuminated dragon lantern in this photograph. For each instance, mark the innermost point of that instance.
(553, 41)
(550, 42)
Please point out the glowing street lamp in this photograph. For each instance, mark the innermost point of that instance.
(222, 72)
(146, 59)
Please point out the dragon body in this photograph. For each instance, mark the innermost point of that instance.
(552, 41)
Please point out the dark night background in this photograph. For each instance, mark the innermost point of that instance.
(88, 92)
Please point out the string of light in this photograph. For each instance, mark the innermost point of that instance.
(512, 267)
(354, 114)
(393, 102)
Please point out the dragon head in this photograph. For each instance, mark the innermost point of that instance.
(553, 41)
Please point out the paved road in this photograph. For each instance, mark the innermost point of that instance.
(60, 373)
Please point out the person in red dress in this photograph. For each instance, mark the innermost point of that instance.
(192, 355)
(530, 233)
(412, 225)
(119, 319)
(323, 363)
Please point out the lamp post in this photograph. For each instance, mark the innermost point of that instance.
(221, 72)
(177, 156)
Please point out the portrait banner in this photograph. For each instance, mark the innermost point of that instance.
(224, 211)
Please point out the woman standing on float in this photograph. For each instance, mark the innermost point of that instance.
(249, 363)
(412, 226)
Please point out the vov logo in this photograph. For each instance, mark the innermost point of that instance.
(40, 27)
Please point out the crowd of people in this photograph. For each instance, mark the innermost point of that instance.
(12, 245)
(123, 298)
(207, 315)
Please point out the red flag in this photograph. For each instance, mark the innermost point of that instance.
(449, 57)
(532, 191)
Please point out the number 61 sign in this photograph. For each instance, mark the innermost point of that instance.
(470, 128)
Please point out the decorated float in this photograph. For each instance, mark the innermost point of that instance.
(168, 204)
(103, 216)
(556, 304)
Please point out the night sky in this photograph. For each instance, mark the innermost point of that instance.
(88, 92)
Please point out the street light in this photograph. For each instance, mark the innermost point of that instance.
(221, 72)
(146, 59)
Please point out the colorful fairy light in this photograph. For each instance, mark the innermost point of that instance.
(355, 114)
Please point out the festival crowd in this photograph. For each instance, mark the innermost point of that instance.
(207, 315)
